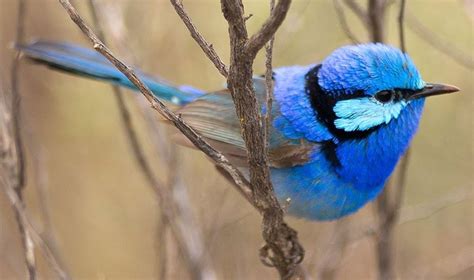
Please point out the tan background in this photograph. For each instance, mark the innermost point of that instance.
(105, 217)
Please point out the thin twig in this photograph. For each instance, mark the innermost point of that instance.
(445, 46)
(126, 121)
(343, 22)
(327, 267)
(239, 80)
(159, 106)
(387, 203)
(9, 181)
(282, 249)
(269, 84)
(28, 245)
(207, 48)
(174, 211)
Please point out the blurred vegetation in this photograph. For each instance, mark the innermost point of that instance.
(104, 216)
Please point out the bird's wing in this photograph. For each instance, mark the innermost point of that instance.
(213, 116)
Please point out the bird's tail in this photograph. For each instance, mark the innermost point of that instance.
(86, 62)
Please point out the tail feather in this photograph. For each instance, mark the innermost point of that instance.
(86, 62)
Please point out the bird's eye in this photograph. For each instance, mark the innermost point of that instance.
(384, 96)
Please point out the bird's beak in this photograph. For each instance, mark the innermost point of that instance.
(433, 89)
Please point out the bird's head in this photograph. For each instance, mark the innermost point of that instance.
(360, 87)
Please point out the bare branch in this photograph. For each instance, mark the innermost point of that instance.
(281, 241)
(376, 20)
(343, 21)
(28, 245)
(9, 180)
(442, 45)
(269, 83)
(329, 263)
(132, 137)
(159, 106)
(175, 211)
(207, 48)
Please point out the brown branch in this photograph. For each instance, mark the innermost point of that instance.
(175, 212)
(9, 180)
(280, 240)
(269, 84)
(28, 245)
(343, 22)
(207, 48)
(389, 201)
(159, 106)
(126, 121)
(277, 234)
(442, 45)
(327, 267)
(376, 19)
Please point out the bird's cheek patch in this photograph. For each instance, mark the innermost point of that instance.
(365, 113)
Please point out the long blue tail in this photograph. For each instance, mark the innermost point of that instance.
(86, 62)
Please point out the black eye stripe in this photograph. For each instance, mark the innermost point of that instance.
(385, 96)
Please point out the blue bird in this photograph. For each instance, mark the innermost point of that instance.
(339, 127)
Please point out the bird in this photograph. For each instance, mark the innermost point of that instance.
(338, 127)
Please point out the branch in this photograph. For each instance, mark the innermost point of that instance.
(9, 180)
(27, 243)
(175, 211)
(282, 249)
(160, 107)
(376, 20)
(207, 48)
(269, 84)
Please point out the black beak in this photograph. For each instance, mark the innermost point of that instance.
(433, 89)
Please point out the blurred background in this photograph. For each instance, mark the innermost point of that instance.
(86, 194)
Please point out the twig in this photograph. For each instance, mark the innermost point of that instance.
(173, 209)
(343, 22)
(376, 20)
(132, 136)
(387, 203)
(275, 230)
(329, 263)
(282, 249)
(401, 25)
(207, 48)
(410, 214)
(159, 106)
(28, 245)
(269, 84)
(9, 180)
(442, 45)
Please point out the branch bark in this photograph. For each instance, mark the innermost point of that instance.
(175, 211)
(27, 243)
(281, 240)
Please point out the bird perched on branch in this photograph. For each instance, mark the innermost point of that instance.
(338, 127)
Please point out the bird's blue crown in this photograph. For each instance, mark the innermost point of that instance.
(370, 68)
